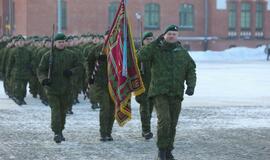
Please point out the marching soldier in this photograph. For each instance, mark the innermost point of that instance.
(146, 106)
(100, 80)
(5, 59)
(57, 81)
(92, 90)
(171, 68)
(19, 69)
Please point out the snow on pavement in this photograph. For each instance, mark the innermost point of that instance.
(227, 118)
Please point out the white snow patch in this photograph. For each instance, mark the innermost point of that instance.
(237, 54)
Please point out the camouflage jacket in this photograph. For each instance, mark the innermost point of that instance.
(62, 60)
(101, 78)
(171, 67)
(19, 63)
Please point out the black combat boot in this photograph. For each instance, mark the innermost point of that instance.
(23, 102)
(169, 155)
(62, 137)
(147, 135)
(44, 102)
(95, 106)
(17, 101)
(77, 101)
(57, 138)
(161, 154)
(103, 138)
(109, 138)
(70, 112)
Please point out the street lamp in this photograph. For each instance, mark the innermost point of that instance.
(139, 19)
(59, 16)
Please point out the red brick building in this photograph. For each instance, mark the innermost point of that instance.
(205, 24)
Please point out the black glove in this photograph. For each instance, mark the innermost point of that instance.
(29, 66)
(67, 73)
(46, 82)
(91, 81)
(190, 91)
(102, 57)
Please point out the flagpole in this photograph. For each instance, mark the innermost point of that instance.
(124, 69)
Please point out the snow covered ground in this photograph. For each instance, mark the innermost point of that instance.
(228, 118)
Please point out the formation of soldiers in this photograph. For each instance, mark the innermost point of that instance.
(61, 67)
(20, 57)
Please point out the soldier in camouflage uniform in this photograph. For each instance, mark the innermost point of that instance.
(19, 69)
(146, 106)
(171, 68)
(3, 44)
(5, 59)
(92, 91)
(33, 81)
(57, 87)
(77, 79)
(106, 115)
(39, 54)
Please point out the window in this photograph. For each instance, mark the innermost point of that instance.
(259, 16)
(152, 16)
(186, 15)
(112, 11)
(221, 4)
(245, 16)
(232, 16)
(64, 15)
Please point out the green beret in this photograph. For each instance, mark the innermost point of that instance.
(59, 36)
(20, 37)
(69, 38)
(37, 40)
(147, 34)
(46, 40)
(45, 37)
(29, 38)
(171, 28)
(76, 37)
(100, 36)
(83, 35)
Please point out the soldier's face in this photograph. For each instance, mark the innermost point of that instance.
(75, 41)
(48, 44)
(96, 40)
(20, 43)
(60, 44)
(68, 43)
(148, 40)
(171, 36)
(105, 37)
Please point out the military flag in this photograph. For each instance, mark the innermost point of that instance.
(123, 74)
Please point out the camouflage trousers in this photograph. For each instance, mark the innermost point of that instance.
(33, 85)
(93, 94)
(19, 88)
(146, 109)
(7, 85)
(168, 110)
(59, 105)
(106, 114)
(42, 93)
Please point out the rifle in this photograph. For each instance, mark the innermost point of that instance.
(51, 56)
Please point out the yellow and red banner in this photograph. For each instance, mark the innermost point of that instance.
(123, 73)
